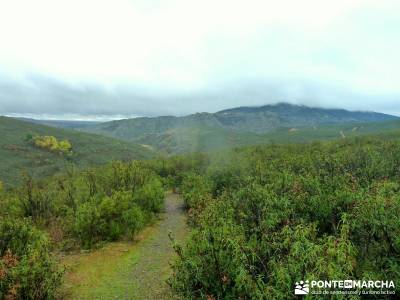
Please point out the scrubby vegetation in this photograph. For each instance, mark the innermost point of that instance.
(265, 217)
(27, 269)
(68, 212)
(87, 207)
(261, 218)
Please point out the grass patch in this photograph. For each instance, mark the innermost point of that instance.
(128, 270)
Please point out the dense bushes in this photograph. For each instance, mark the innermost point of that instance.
(151, 196)
(109, 218)
(76, 209)
(27, 270)
(102, 204)
(266, 217)
(262, 218)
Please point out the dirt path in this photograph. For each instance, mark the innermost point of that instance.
(129, 270)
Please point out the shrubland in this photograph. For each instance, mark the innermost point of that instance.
(261, 218)
(265, 217)
(77, 210)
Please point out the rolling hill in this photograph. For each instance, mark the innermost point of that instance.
(269, 117)
(18, 155)
(244, 126)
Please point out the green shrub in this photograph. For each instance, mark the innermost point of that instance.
(110, 218)
(27, 269)
(150, 196)
(88, 223)
(133, 220)
(194, 188)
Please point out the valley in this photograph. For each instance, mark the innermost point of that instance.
(252, 209)
(199, 150)
(237, 127)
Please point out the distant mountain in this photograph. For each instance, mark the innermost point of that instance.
(234, 127)
(269, 117)
(17, 154)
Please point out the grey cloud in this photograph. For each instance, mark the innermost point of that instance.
(176, 57)
(41, 95)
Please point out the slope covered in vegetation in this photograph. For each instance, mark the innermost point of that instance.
(261, 217)
(206, 139)
(261, 119)
(242, 126)
(265, 217)
(18, 153)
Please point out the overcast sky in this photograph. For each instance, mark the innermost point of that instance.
(89, 59)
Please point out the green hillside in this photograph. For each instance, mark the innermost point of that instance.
(208, 138)
(17, 154)
(279, 123)
(333, 131)
(198, 139)
(270, 117)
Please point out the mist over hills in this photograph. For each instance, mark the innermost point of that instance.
(269, 117)
(96, 143)
(235, 127)
(248, 119)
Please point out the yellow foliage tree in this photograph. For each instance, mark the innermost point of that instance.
(52, 144)
(64, 146)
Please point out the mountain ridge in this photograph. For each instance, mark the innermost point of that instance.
(268, 117)
(232, 127)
